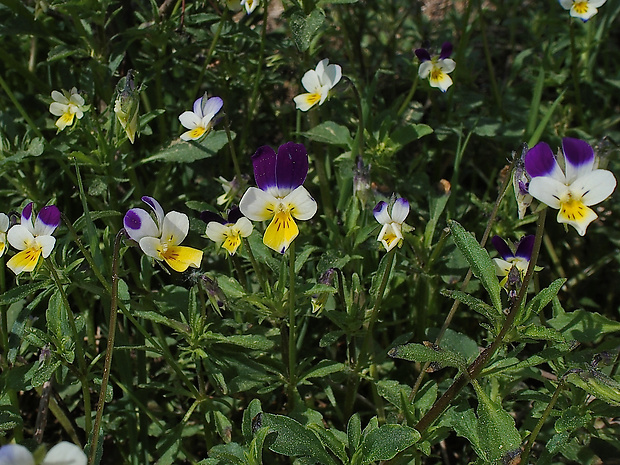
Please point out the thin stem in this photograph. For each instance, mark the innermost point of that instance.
(473, 371)
(575, 71)
(79, 350)
(532, 437)
(231, 147)
(409, 96)
(487, 55)
(292, 347)
(257, 268)
(457, 303)
(207, 60)
(110, 347)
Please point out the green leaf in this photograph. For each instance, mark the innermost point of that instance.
(187, 152)
(18, 293)
(481, 264)
(542, 299)
(402, 135)
(330, 133)
(387, 441)
(596, 383)
(475, 304)
(255, 452)
(323, 368)
(81, 222)
(354, 432)
(295, 440)
(498, 435)
(583, 326)
(432, 353)
(251, 413)
(304, 27)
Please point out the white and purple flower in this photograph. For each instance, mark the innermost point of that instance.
(572, 190)
(227, 233)
(63, 453)
(519, 259)
(33, 239)
(160, 238)
(280, 195)
(582, 9)
(437, 68)
(392, 218)
(200, 120)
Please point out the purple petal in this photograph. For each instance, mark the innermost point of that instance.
(154, 204)
(234, 214)
(132, 220)
(49, 216)
(501, 246)
(525, 247)
(264, 162)
(291, 166)
(446, 50)
(27, 214)
(539, 160)
(197, 109)
(422, 54)
(577, 152)
(208, 217)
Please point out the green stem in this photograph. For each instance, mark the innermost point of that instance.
(489, 61)
(575, 71)
(257, 268)
(292, 347)
(532, 438)
(207, 60)
(364, 354)
(473, 371)
(110, 347)
(457, 303)
(231, 147)
(79, 350)
(409, 96)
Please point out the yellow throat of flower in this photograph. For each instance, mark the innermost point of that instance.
(580, 7)
(573, 209)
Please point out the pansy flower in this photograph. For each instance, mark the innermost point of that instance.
(160, 238)
(63, 453)
(250, 5)
(227, 233)
(33, 239)
(4, 227)
(436, 69)
(200, 120)
(67, 105)
(572, 190)
(519, 259)
(582, 9)
(392, 218)
(280, 196)
(318, 82)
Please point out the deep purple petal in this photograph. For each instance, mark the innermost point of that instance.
(264, 161)
(234, 214)
(208, 217)
(525, 247)
(27, 214)
(446, 50)
(291, 166)
(539, 160)
(50, 216)
(423, 54)
(132, 220)
(501, 246)
(154, 204)
(577, 152)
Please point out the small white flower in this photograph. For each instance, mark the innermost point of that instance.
(391, 233)
(63, 453)
(250, 5)
(582, 9)
(318, 82)
(200, 120)
(67, 105)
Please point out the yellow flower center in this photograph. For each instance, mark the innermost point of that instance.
(232, 242)
(197, 132)
(314, 98)
(580, 7)
(282, 230)
(436, 74)
(573, 209)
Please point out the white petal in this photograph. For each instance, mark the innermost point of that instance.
(311, 81)
(548, 190)
(381, 213)
(502, 267)
(156, 207)
(15, 454)
(257, 205)
(175, 228)
(47, 244)
(425, 69)
(594, 187)
(597, 3)
(211, 107)
(189, 119)
(579, 224)
(58, 109)
(59, 97)
(304, 102)
(65, 453)
(4, 222)
(19, 237)
(333, 74)
(400, 210)
(151, 246)
(447, 65)
(300, 203)
(566, 4)
(138, 224)
(244, 226)
(216, 231)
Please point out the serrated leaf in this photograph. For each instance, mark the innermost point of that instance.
(481, 264)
